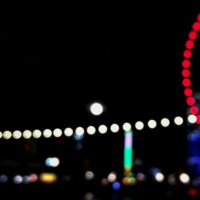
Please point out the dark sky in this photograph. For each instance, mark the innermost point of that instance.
(58, 60)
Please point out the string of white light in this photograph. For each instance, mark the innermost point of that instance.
(92, 130)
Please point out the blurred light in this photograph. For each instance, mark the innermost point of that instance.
(1, 135)
(186, 73)
(48, 178)
(192, 119)
(18, 179)
(178, 120)
(33, 177)
(89, 196)
(159, 177)
(190, 101)
(165, 122)
(126, 126)
(79, 131)
(114, 128)
(27, 134)
(186, 82)
(139, 125)
(104, 181)
(3, 178)
(68, 132)
(194, 110)
(89, 175)
(47, 133)
(189, 44)
(192, 35)
(141, 177)
(186, 64)
(187, 53)
(116, 185)
(96, 109)
(102, 129)
(171, 179)
(112, 177)
(52, 162)
(91, 130)
(184, 178)
(17, 134)
(196, 26)
(152, 124)
(188, 92)
(37, 133)
(193, 192)
(57, 132)
(129, 181)
(26, 179)
(7, 135)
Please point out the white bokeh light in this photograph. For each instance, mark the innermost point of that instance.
(91, 130)
(47, 133)
(192, 119)
(165, 122)
(96, 109)
(139, 125)
(57, 132)
(114, 128)
(152, 123)
(37, 133)
(17, 134)
(178, 120)
(68, 132)
(7, 135)
(126, 126)
(27, 134)
(103, 129)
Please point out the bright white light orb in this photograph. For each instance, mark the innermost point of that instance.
(102, 129)
(178, 120)
(96, 109)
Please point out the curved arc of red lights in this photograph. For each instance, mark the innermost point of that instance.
(186, 65)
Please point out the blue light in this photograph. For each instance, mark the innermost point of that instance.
(3, 178)
(116, 185)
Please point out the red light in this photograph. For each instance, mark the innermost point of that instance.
(189, 44)
(186, 82)
(187, 54)
(190, 101)
(186, 73)
(192, 35)
(198, 119)
(186, 63)
(188, 92)
(196, 26)
(194, 110)
(198, 17)
(193, 192)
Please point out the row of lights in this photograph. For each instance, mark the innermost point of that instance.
(186, 73)
(91, 130)
(112, 178)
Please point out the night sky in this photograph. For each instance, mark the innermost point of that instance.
(58, 60)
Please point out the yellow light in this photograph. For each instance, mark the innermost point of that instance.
(48, 178)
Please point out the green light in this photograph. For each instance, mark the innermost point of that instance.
(128, 152)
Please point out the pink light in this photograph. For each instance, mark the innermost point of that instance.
(186, 82)
(190, 101)
(189, 44)
(186, 73)
(192, 35)
(196, 26)
(186, 63)
(187, 54)
(194, 110)
(188, 92)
